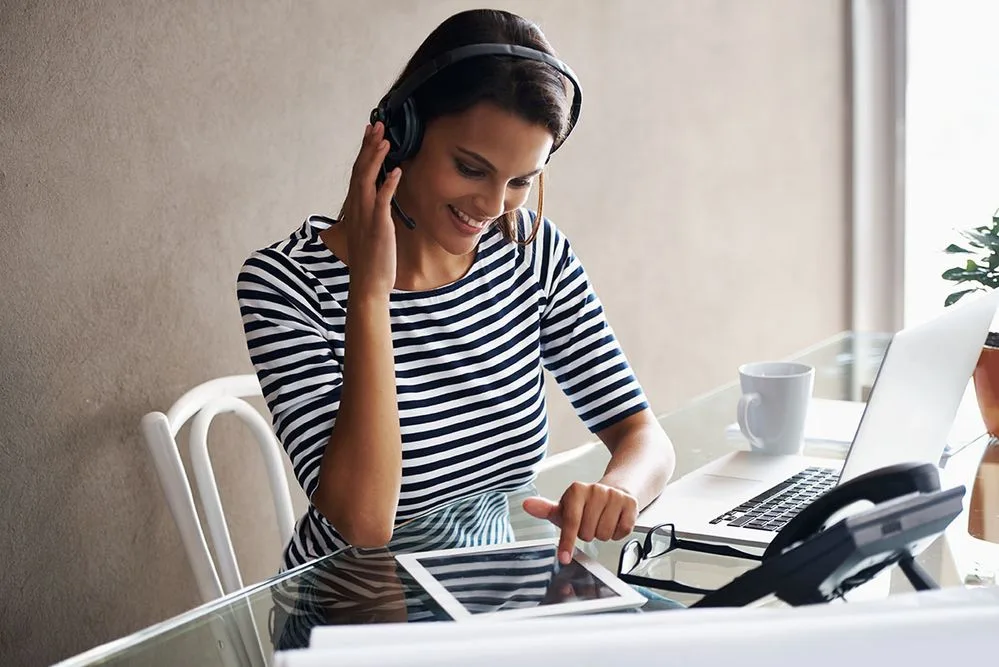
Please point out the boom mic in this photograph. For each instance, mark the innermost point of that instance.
(406, 220)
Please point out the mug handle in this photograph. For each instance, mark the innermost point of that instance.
(746, 402)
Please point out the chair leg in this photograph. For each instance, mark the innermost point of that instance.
(231, 648)
(249, 634)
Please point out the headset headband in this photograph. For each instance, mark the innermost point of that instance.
(397, 97)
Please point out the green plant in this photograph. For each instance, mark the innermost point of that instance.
(983, 267)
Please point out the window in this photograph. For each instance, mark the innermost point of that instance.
(951, 140)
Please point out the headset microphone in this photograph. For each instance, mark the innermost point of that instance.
(406, 220)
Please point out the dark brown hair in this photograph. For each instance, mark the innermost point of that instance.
(530, 89)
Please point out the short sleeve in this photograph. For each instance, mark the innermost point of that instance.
(293, 358)
(578, 346)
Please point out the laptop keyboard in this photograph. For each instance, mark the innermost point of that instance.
(773, 508)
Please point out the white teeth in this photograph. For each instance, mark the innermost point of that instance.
(467, 220)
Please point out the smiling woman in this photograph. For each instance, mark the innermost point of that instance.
(400, 347)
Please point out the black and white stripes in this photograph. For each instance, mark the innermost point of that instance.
(468, 360)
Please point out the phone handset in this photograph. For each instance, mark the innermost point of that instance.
(875, 487)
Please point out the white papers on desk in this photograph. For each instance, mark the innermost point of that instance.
(929, 628)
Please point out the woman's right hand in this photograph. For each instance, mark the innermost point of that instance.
(368, 218)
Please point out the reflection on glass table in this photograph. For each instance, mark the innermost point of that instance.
(367, 586)
(519, 580)
(652, 560)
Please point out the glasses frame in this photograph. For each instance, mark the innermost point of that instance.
(675, 543)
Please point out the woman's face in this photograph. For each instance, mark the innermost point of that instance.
(471, 169)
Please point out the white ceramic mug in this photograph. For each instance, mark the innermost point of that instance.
(774, 404)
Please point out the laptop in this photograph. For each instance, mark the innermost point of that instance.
(745, 498)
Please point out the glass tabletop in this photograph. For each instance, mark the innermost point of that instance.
(368, 586)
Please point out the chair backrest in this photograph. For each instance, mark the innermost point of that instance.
(201, 405)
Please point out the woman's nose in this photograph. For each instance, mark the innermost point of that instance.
(490, 202)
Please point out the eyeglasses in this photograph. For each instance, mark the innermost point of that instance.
(660, 541)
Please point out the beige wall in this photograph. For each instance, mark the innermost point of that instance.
(147, 147)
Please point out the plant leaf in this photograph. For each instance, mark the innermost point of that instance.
(982, 238)
(953, 249)
(970, 267)
(952, 299)
(963, 274)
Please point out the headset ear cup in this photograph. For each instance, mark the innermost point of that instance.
(416, 123)
(406, 132)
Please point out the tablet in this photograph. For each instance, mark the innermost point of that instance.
(517, 580)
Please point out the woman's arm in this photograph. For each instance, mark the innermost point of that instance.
(642, 461)
(360, 474)
(361, 470)
(579, 348)
(642, 457)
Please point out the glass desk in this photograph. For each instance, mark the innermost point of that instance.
(354, 586)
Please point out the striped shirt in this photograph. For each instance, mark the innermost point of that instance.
(468, 365)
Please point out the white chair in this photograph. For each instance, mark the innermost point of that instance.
(203, 403)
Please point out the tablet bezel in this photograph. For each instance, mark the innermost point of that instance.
(626, 596)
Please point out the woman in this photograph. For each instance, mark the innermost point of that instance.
(400, 348)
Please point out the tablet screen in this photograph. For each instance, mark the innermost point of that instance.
(514, 579)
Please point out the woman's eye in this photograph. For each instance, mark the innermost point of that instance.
(471, 172)
(465, 170)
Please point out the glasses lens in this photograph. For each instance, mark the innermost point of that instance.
(630, 555)
(662, 540)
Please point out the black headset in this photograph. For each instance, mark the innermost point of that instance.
(403, 125)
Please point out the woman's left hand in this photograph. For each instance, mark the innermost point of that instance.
(587, 511)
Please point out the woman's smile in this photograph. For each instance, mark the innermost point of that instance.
(466, 224)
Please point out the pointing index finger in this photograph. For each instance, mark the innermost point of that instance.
(571, 515)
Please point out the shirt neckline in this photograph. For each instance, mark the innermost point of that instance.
(314, 225)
